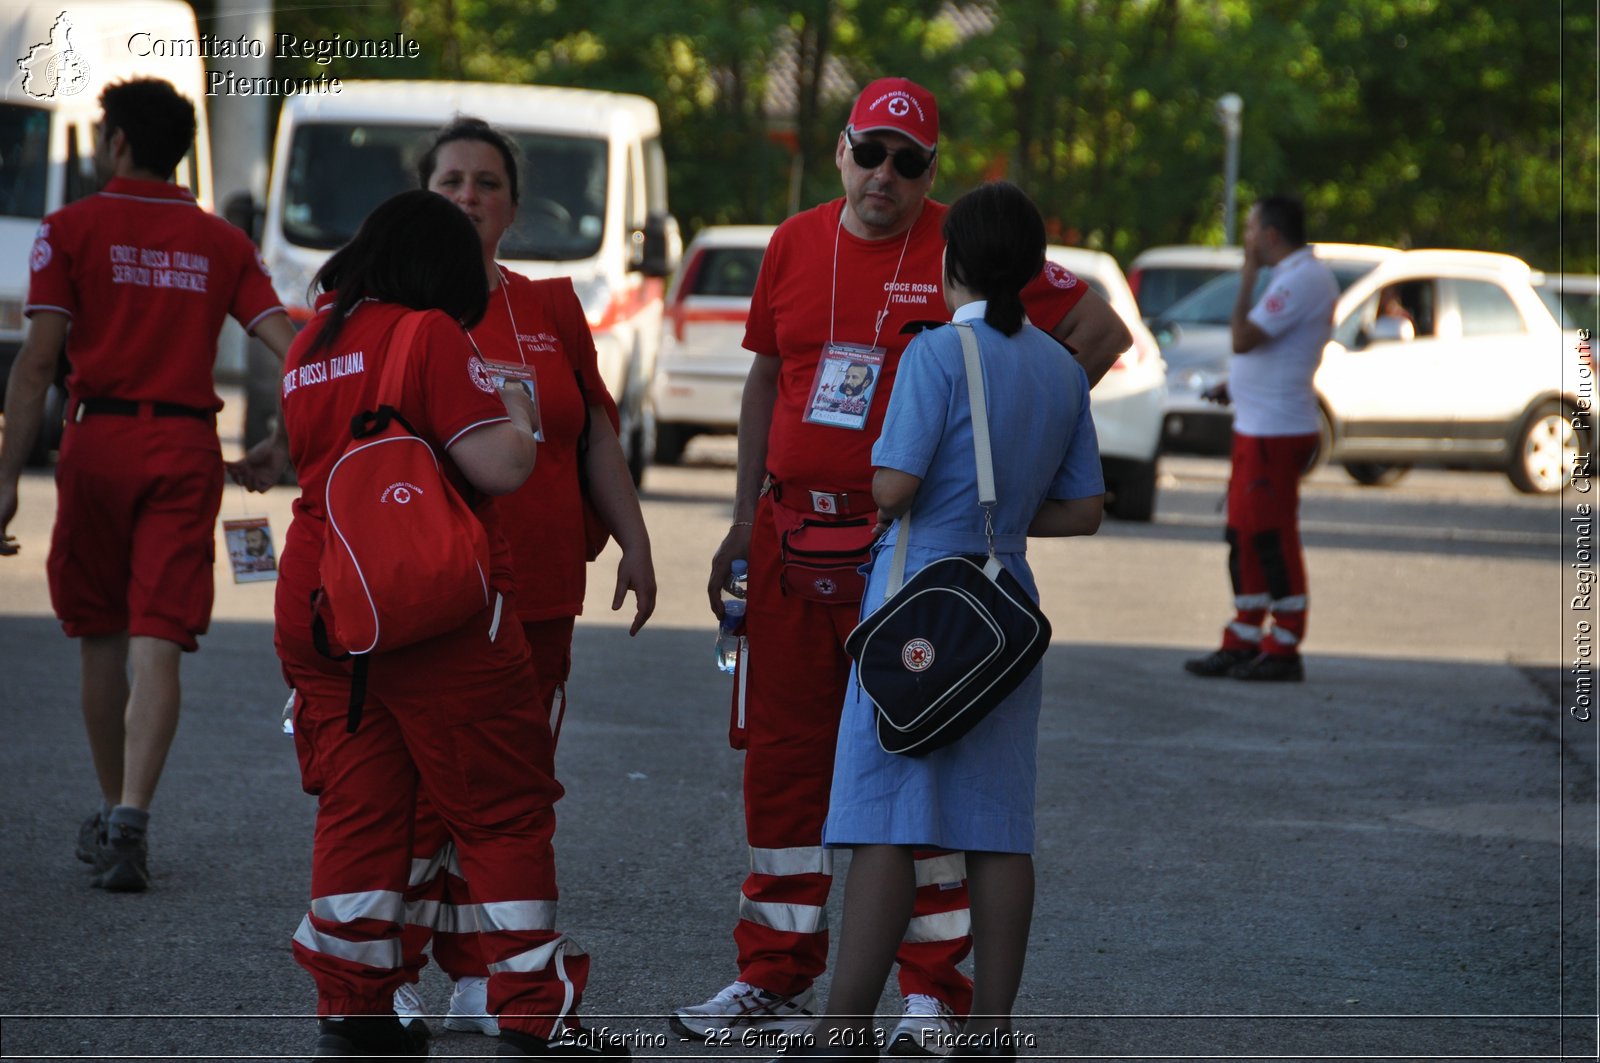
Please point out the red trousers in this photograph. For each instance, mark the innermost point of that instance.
(788, 698)
(1265, 559)
(438, 899)
(456, 716)
(135, 532)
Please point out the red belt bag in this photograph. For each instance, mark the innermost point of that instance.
(822, 556)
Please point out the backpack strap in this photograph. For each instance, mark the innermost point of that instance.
(398, 357)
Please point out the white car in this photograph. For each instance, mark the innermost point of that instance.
(1196, 342)
(701, 370)
(1475, 371)
(1127, 403)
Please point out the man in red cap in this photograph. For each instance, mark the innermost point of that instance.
(838, 286)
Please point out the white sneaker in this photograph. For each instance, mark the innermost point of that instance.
(928, 1028)
(469, 1008)
(408, 1005)
(741, 1006)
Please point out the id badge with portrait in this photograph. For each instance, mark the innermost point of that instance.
(250, 549)
(846, 380)
(501, 373)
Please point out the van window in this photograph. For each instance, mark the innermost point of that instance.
(339, 171)
(81, 178)
(24, 160)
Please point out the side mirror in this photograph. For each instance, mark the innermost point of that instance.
(240, 211)
(658, 246)
(1391, 330)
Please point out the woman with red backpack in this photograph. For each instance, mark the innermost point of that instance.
(465, 696)
(537, 329)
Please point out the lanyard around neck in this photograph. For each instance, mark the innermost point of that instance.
(516, 337)
(833, 294)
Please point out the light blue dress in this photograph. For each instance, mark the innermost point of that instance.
(978, 792)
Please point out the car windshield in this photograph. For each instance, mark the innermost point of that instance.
(24, 160)
(729, 271)
(1160, 287)
(339, 171)
(1212, 303)
(1574, 307)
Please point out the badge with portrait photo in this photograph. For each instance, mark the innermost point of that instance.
(846, 381)
(501, 373)
(250, 549)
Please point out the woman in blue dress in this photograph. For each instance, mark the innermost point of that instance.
(977, 794)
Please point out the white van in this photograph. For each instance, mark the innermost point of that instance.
(59, 56)
(593, 207)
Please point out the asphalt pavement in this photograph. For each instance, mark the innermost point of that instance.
(1396, 859)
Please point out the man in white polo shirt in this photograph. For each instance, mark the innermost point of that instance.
(1277, 346)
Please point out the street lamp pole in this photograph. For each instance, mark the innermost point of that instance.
(1229, 108)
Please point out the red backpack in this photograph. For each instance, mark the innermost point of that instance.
(404, 558)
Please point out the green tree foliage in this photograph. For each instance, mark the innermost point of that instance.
(1456, 123)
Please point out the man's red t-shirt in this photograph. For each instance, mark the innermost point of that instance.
(446, 393)
(819, 284)
(543, 519)
(146, 277)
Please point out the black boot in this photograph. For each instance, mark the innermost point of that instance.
(575, 1044)
(380, 1036)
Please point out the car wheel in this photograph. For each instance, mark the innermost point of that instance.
(1546, 450)
(1131, 490)
(631, 434)
(1319, 457)
(52, 421)
(671, 439)
(1375, 473)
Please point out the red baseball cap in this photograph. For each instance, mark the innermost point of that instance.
(898, 106)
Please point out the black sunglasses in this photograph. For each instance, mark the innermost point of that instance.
(869, 155)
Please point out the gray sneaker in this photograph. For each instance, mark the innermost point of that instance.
(91, 836)
(121, 861)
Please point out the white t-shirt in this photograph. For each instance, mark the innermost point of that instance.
(1271, 385)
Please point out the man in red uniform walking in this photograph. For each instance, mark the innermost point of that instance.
(837, 286)
(136, 282)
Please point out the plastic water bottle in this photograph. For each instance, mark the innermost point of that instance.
(730, 633)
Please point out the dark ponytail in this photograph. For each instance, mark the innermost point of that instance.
(1004, 312)
(995, 240)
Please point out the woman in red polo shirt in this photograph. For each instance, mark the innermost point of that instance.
(537, 328)
(462, 697)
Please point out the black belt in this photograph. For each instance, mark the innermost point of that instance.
(130, 408)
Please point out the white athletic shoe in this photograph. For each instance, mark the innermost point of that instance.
(927, 1028)
(741, 1006)
(408, 1005)
(469, 1008)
